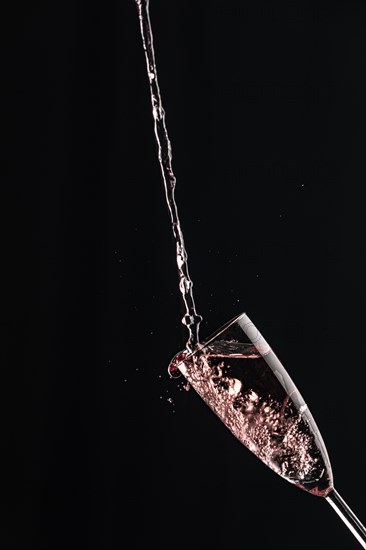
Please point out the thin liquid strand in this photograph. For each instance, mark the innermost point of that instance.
(191, 319)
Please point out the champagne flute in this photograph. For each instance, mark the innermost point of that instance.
(243, 382)
(235, 371)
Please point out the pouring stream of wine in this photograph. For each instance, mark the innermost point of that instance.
(191, 319)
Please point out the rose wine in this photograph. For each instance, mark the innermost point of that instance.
(256, 399)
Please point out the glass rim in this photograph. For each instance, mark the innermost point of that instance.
(258, 341)
(201, 345)
(219, 331)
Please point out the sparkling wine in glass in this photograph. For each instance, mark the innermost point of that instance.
(240, 378)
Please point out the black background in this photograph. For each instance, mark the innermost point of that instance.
(265, 110)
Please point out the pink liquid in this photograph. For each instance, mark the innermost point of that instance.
(257, 400)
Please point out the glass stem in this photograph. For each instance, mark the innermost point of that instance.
(347, 516)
